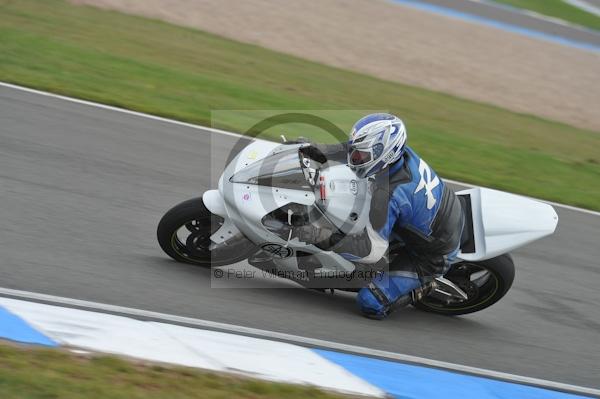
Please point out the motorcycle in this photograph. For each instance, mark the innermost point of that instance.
(269, 192)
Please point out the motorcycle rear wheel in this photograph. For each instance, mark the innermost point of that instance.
(485, 283)
(184, 234)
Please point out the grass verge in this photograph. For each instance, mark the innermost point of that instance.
(557, 9)
(181, 73)
(32, 373)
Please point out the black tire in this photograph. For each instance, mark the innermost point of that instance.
(501, 276)
(200, 223)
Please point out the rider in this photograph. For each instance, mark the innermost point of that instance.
(411, 208)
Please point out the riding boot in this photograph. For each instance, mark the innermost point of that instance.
(384, 293)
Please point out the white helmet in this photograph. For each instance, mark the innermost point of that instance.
(376, 141)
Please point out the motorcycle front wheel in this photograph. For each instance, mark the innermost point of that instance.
(484, 282)
(184, 234)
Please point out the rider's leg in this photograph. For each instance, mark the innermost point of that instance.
(378, 298)
(407, 272)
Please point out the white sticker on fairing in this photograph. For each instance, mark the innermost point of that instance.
(354, 187)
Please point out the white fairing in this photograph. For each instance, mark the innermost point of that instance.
(346, 197)
(214, 202)
(247, 204)
(503, 222)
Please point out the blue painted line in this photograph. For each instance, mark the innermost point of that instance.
(405, 381)
(14, 328)
(497, 24)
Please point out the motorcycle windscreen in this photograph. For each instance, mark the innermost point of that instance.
(278, 170)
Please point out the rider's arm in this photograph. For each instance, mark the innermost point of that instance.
(383, 219)
(326, 152)
(370, 246)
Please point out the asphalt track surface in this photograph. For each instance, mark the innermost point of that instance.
(81, 192)
(513, 17)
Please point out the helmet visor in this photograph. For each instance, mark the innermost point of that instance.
(359, 157)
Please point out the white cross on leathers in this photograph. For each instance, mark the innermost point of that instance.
(427, 184)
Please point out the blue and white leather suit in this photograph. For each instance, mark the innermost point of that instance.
(420, 219)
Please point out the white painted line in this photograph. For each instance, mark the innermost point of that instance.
(549, 19)
(526, 12)
(312, 342)
(569, 207)
(219, 131)
(535, 14)
(117, 109)
(585, 6)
